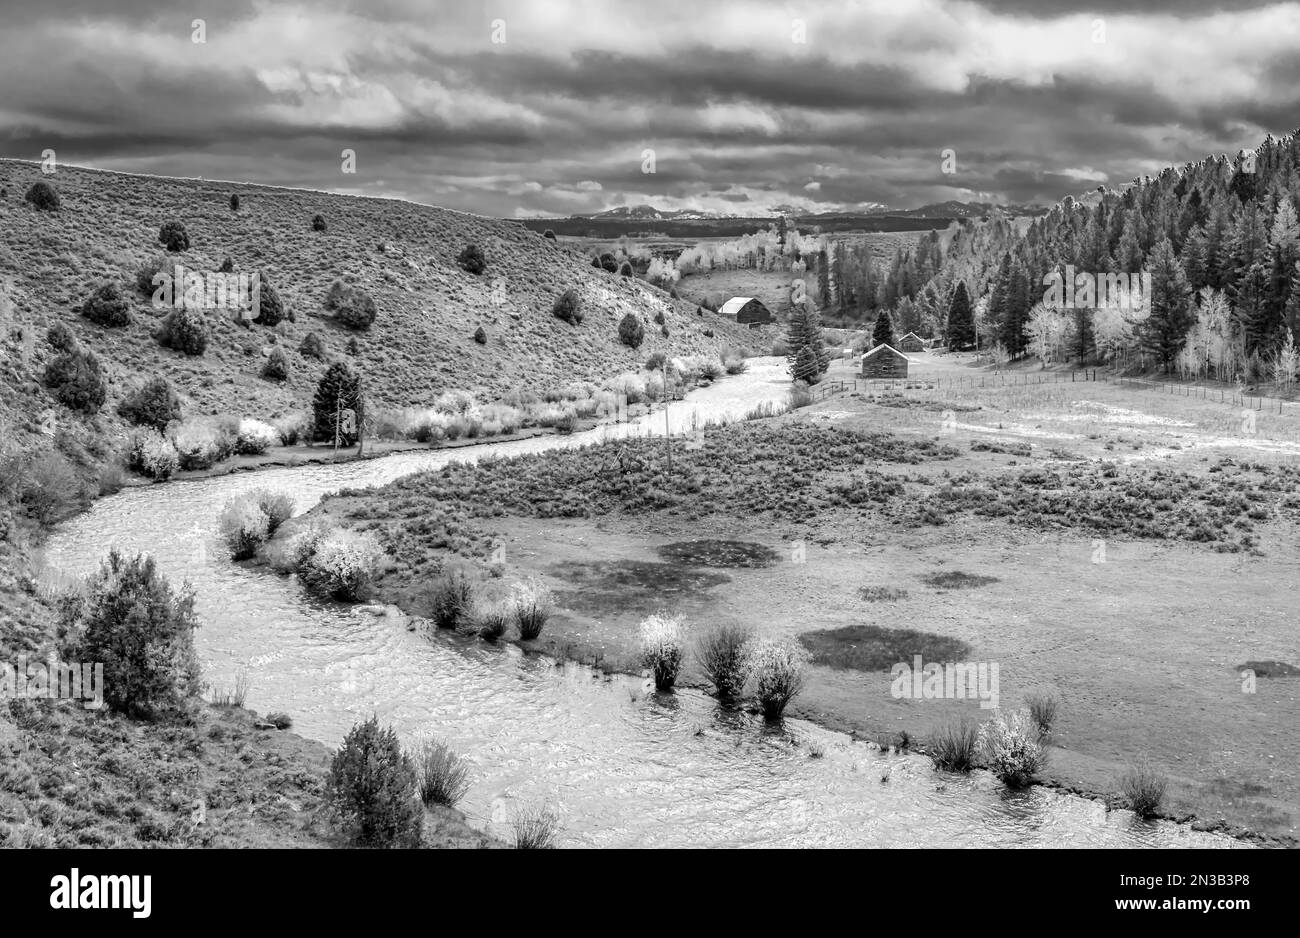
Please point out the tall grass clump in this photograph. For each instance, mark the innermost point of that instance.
(662, 648)
(444, 776)
(129, 619)
(373, 788)
(779, 670)
(953, 745)
(1042, 710)
(530, 604)
(534, 828)
(1012, 748)
(723, 653)
(492, 622)
(451, 600)
(1144, 788)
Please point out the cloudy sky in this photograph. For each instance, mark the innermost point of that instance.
(542, 107)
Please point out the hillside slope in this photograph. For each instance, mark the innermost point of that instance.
(402, 254)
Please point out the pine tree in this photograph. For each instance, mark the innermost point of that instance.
(961, 319)
(1165, 330)
(883, 334)
(338, 393)
(808, 357)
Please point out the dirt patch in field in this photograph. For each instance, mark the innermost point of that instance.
(956, 580)
(607, 587)
(1271, 669)
(875, 648)
(714, 553)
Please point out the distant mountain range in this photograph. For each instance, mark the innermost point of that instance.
(687, 223)
(949, 209)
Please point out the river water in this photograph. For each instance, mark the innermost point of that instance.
(622, 766)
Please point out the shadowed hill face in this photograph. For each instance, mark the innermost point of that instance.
(422, 341)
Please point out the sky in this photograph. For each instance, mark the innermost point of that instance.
(524, 108)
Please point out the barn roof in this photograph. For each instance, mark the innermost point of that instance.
(911, 335)
(884, 346)
(734, 305)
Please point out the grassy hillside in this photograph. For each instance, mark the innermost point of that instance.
(402, 254)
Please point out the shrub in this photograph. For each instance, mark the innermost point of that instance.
(656, 361)
(471, 259)
(630, 331)
(342, 563)
(444, 776)
(244, 526)
(1042, 710)
(254, 437)
(548, 234)
(953, 745)
(277, 506)
(184, 330)
(227, 266)
(625, 270)
(661, 646)
(276, 367)
(60, 337)
(351, 306)
(534, 828)
(800, 395)
(293, 429)
(197, 446)
(49, 488)
(234, 203)
(778, 670)
(154, 404)
(530, 604)
(44, 196)
(480, 336)
(373, 787)
(312, 346)
(609, 263)
(659, 318)
(129, 619)
(339, 391)
(270, 308)
(568, 306)
(318, 223)
(1144, 788)
(107, 307)
(173, 237)
(152, 455)
(451, 601)
(734, 363)
(723, 653)
(145, 274)
(1011, 748)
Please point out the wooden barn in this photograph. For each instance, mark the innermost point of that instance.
(911, 343)
(745, 310)
(884, 361)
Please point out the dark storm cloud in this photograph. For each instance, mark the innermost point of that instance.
(559, 118)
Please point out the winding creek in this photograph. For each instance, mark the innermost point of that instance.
(624, 767)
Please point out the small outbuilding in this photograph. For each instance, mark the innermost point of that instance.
(884, 361)
(911, 343)
(745, 310)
